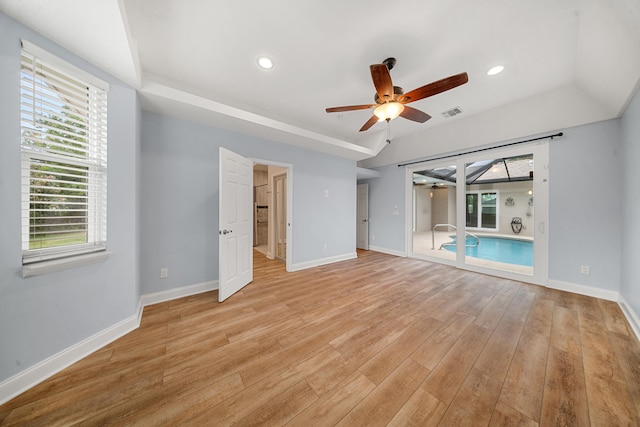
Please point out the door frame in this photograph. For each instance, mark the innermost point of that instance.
(289, 195)
(277, 213)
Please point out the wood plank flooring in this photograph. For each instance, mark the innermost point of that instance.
(378, 340)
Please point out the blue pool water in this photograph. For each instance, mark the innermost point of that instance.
(511, 251)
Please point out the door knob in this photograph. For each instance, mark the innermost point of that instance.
(226, 232)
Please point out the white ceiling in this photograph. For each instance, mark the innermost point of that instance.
(568, 62)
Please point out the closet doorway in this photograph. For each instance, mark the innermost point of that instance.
(271, 210)
(260, 208)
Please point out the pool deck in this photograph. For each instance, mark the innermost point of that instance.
(422, 244)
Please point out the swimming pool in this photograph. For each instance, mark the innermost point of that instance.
(512, 251)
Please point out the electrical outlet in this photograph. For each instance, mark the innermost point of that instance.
(164, 273)
(585, 269)
(325, 246)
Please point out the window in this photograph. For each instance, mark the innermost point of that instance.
(482, 210)
(63, 122)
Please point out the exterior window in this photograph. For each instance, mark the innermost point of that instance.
(63, 121)
(482, 210)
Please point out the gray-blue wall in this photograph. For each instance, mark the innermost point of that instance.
(179, 200)
(630, 227)
(43, 315)
(386, 197)
(585, 205)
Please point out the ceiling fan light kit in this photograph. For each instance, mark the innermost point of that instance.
(265, 62)
(495, 70)
(388, 111)
(390, 100)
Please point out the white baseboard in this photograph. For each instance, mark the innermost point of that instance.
(388, 251)
(632, 317)
(322, 261)
(583, 290)
(30, 377)
(184, 291)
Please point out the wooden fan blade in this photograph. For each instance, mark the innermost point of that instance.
(414, 114)
(349, 108)
(372, 121)
(382, 81)
(434, 88)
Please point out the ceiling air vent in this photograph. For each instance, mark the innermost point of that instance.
(452, 112)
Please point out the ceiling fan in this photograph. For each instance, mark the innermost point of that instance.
(390, 100)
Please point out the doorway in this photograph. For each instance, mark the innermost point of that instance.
(260, 208)
(272, 210)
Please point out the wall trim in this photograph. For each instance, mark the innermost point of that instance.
(323, 261)
(30, 377)
(388, 251)
(51, 266)
(174, 293)
(589, 291)
(632, 316)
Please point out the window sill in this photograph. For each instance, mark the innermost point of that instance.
(45, 267)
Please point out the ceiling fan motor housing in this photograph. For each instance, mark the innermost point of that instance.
(397, 91)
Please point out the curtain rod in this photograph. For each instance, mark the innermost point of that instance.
(480, 150)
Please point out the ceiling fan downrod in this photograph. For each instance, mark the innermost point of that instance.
(390, 63)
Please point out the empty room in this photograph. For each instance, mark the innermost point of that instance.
(319, 213)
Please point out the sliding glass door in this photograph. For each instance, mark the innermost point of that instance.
(493, 222)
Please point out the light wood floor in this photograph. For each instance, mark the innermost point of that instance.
(379, 340)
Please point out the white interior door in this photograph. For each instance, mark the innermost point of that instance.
(362, 212)
(236, 223)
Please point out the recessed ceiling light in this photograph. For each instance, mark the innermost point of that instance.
(265, 62)
(495, 70)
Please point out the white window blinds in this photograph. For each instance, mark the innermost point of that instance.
(63, 119)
